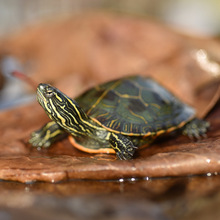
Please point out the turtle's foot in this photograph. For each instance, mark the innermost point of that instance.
(196, 128)
(39, 139)
(123, 147)
(45, 136)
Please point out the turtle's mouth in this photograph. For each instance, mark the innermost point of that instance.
(40, 97)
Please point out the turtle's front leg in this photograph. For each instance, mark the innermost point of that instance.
(48, 134)
(123, 147)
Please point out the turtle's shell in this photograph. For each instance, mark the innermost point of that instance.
(135, 106)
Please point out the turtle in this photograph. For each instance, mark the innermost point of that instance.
(119, 116)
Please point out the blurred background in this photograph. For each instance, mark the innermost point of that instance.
(43, 40)
(194, 17)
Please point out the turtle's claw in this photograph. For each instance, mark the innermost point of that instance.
(196, 128)
(47, 135)
(39, 139)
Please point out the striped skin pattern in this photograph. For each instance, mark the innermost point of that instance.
(118, 116)
(67, 115)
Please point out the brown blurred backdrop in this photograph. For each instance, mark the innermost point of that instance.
(197, 16)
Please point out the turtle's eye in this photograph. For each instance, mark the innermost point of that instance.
(49, 93)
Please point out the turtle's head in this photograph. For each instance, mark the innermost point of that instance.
(50, 98)
(59, 107)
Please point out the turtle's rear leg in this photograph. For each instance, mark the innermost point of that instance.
(196, 128)
(47, 135)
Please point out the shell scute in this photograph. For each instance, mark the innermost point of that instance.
(135, 106)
